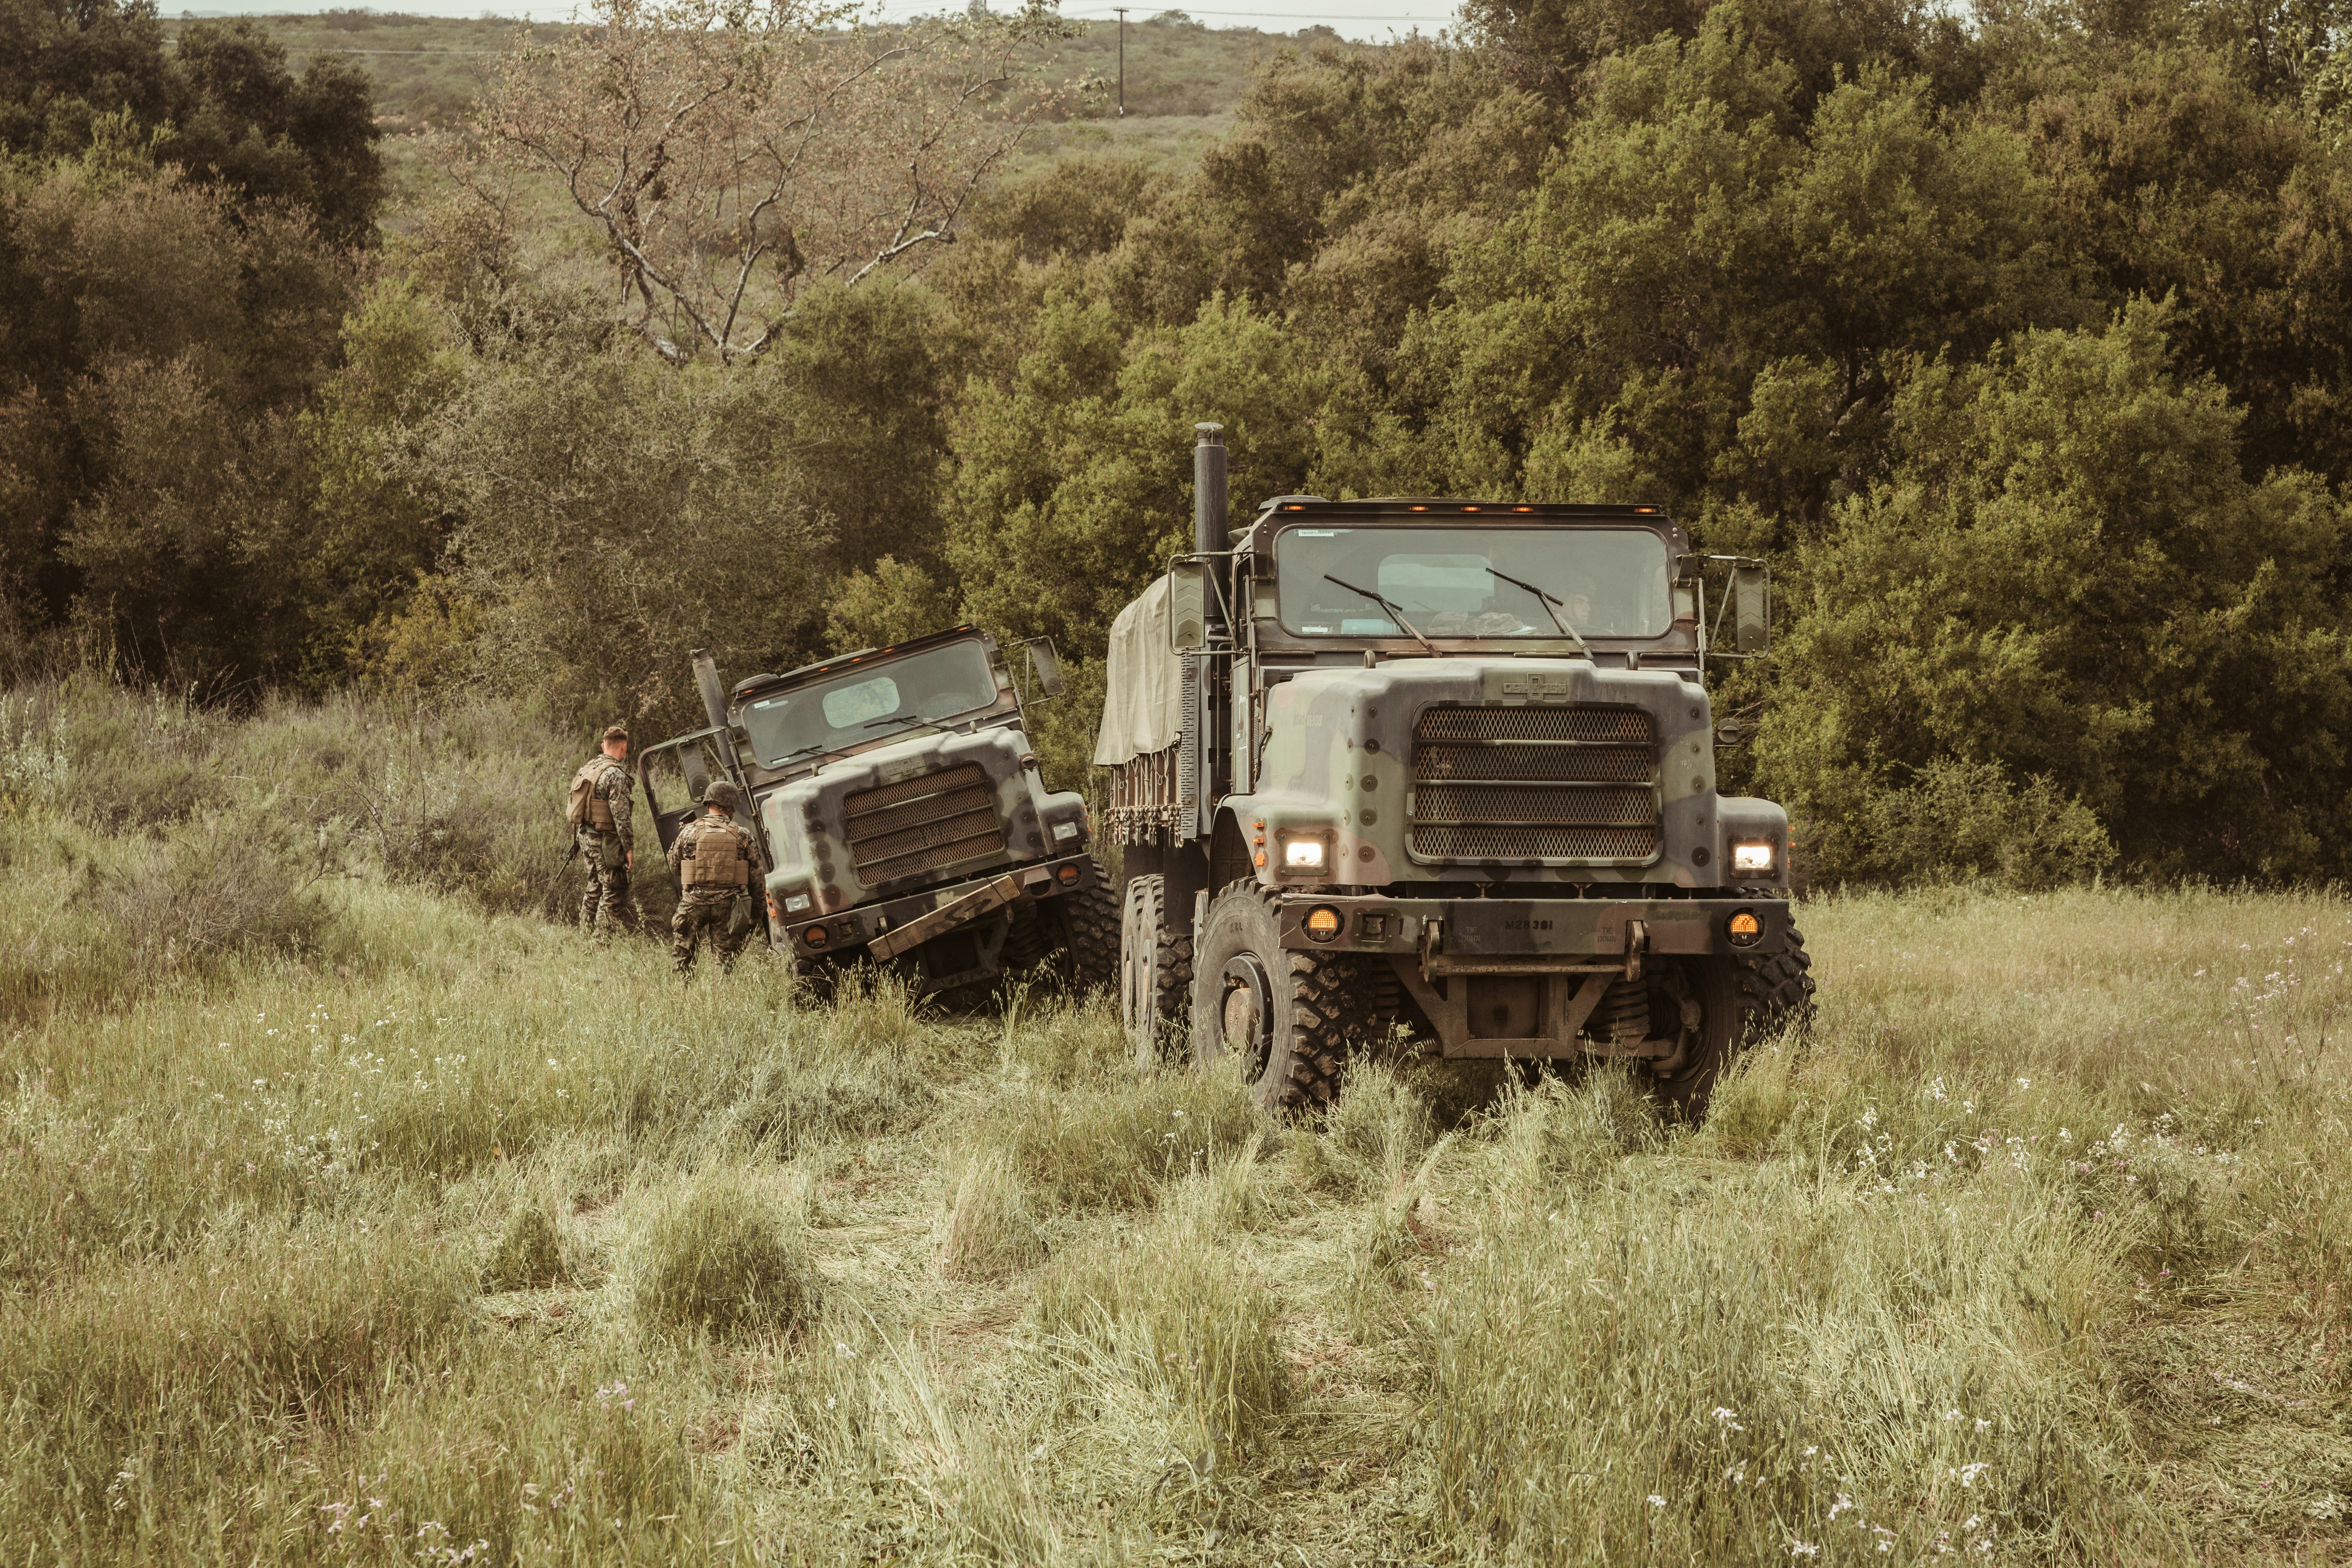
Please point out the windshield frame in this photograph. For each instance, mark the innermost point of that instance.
(842, 674)
(1270, 613)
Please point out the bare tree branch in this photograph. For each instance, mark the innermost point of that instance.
(732, 153)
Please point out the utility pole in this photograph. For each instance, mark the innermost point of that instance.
(1123, 60)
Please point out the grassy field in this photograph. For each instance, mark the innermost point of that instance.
(396, 1229)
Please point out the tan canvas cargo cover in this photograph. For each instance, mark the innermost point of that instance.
(1142, 709)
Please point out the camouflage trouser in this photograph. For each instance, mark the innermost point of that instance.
(701, 912)
(607, 902)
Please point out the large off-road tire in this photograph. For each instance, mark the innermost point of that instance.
(1027, 942)
(816, 977)
(1087, 919)
(1293, 1018)
(1155, 970)
(1743, 998)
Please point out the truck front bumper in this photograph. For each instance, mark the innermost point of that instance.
(847, 933)
(1520, 978)
(1535, 936)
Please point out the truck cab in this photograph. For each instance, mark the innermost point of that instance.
(901, 815)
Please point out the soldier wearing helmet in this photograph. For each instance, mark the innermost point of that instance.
(713, 858)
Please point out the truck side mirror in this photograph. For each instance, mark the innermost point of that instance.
(1188, 616)
(1045, 666)
(1751, 609)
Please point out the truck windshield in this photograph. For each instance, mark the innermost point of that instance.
(1455, 581)
(868, 702)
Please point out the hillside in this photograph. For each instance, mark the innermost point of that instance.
(1182, 77)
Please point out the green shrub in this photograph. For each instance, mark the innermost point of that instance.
(725, 1259)
(1963, 822)
(226, 883)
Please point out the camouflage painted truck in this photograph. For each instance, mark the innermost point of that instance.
(1440, 770)
(900, 815)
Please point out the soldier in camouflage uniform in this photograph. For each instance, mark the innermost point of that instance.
(713, 858)
(599, 819)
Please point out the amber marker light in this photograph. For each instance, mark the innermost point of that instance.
(1068, 876)
(1744, 929)
(1322, 922)
(815, 936)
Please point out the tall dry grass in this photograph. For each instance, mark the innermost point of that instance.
(419, 1229)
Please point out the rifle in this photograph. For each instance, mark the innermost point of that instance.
(547, 898)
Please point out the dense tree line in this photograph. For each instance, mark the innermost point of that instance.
(2019, 342)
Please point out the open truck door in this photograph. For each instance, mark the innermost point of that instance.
(674, 775)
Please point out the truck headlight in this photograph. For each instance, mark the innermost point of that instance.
(1302, 855)
(796, 903)
(1752, 857)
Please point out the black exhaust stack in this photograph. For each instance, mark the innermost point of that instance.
(1209, 535)
(714, 691)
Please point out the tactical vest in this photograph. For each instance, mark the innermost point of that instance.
(587, 806)
(716, 855)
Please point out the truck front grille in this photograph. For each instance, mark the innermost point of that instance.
(1575, 785)
(920, 824)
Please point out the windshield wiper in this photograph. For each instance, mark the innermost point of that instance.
(803, 751)
(939, 723)
(1390, 606)
(1547, 601)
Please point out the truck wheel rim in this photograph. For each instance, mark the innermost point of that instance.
(1246, 1016)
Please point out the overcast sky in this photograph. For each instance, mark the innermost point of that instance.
(1375, 21)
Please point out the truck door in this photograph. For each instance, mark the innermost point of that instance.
(674, 775)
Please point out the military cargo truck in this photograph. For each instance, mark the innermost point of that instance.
(901, 815)
(1444, 771)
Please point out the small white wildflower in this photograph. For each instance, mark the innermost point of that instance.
(1657, 1501)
